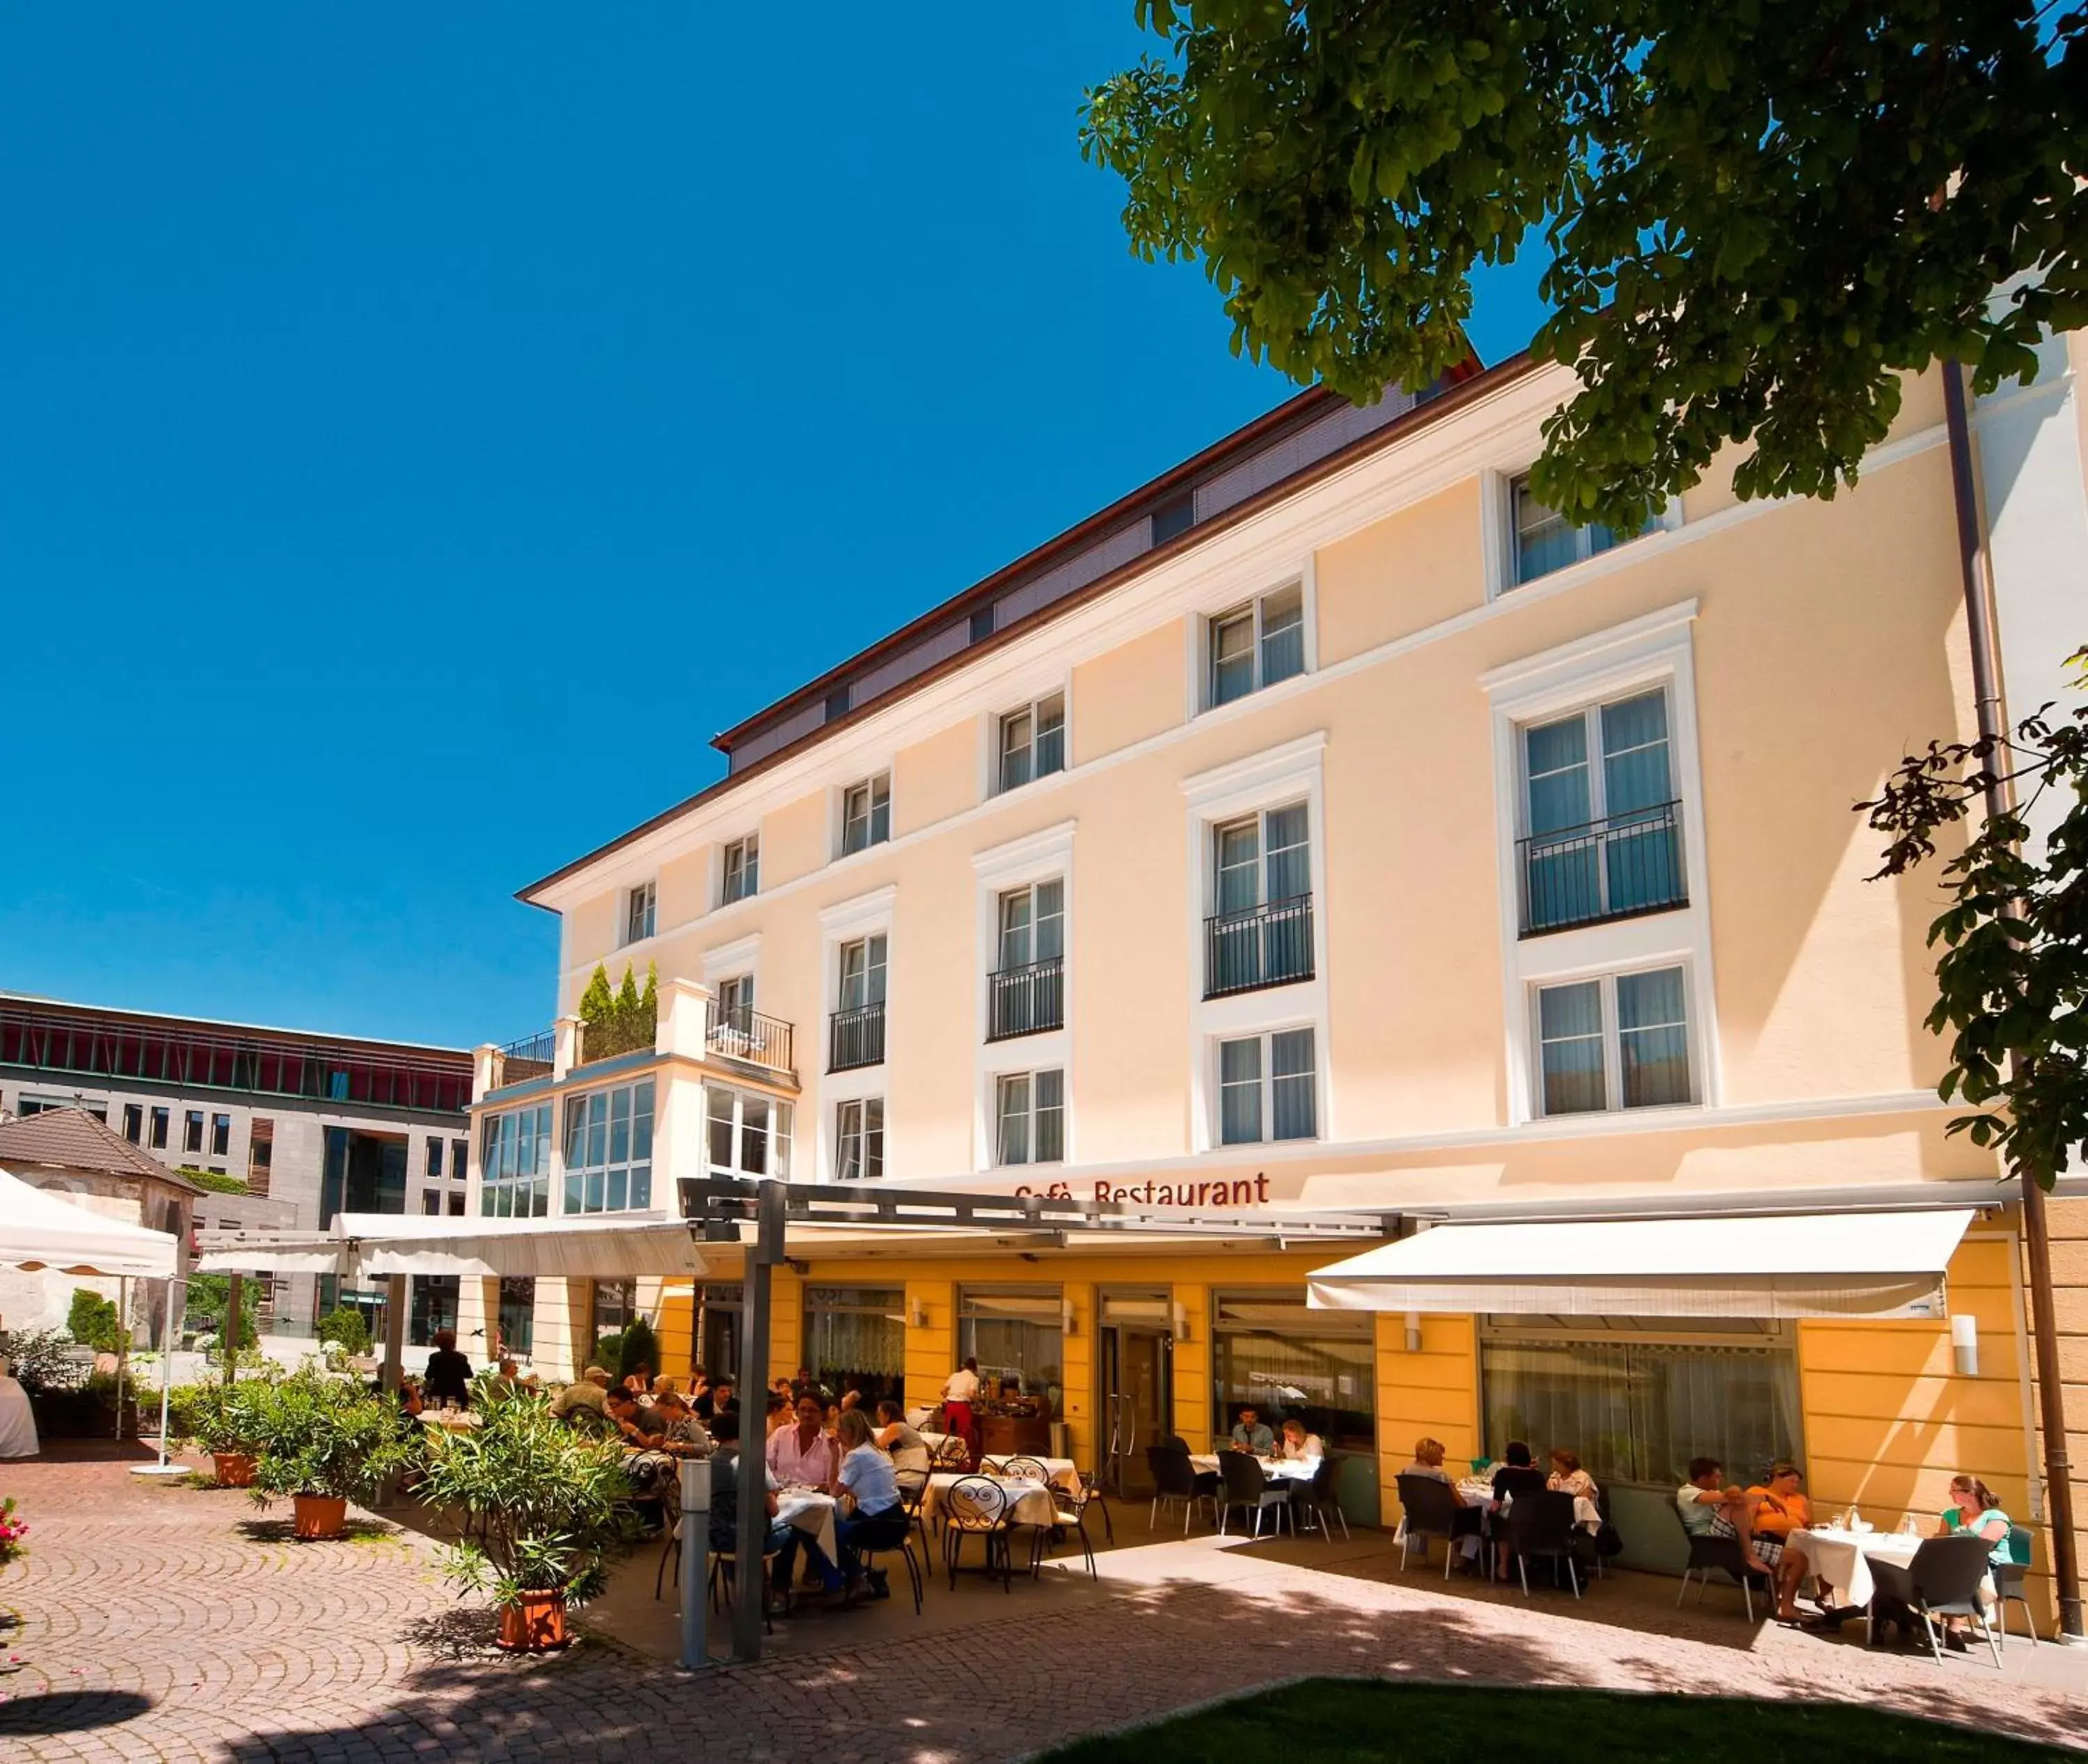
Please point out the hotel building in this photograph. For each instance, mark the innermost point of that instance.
(1328, 826)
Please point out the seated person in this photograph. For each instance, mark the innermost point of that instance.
(661, 1385)
(680, 1432)
(1298, 1445)
(1251, 1433)
(639, 1425)
(781, 1415)
(1775, 1509)
(1516, 1474)
(1567, 1478)
(713, 1398)
(590, 1390)
(505, 1380)
(1711, 1508)
(908, 1449)
(1975, 1507)
(783, 1540)
(872, 1517)
(804, 1453)
(1428, 1461)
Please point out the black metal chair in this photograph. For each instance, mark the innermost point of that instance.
(1722, 1555)
(1174, 1479)
(912, 1486)
(1944, 1580)
(977, 1506)
(1541, 1524)
(868, 1545)
(1068, 1514)
(2011, 1583)
(1316, 1500)
(951, 1453)
(1431, 1510)
(1247, 1484)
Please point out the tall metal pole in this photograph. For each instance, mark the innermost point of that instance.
(2037, 1241)
(763, 1253)
(234, 1292)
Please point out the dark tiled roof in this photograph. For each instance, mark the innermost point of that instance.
(72, 1139)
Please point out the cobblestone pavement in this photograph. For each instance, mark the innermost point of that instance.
(173, 1622)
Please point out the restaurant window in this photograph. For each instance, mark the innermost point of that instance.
(220, 1136)
(859, 1140)
(640, 906)
(739, 876)
(432, 1158)
(1268, 1350)
(192, 1130)
(609, 1149)
(1544, 540)
(515, 1164)
(1618, 1042)
(866, 814)
(1256, 645)
(518, 1314)
(432, 1305)
(1032, 743)
(133, 1122)
(1016, 1334)
(1030, 1118)
(749, 1132)
(159, 1130)
(1268, 1088)
(855, 1339)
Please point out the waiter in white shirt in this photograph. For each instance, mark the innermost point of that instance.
(959, 1389)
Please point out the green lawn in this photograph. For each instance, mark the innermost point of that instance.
(1346, 1721)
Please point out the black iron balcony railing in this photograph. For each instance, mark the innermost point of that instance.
(1617, 867)
(1258, 946)
(1026, 1000)
(740, 1032)
(855, 1038)
(528, 1058)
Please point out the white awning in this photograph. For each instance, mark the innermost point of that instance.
(1773, 1265)
(39, 1229)
(369, 1245)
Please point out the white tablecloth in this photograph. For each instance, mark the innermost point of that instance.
(1031, 1502)
(1842, 1559)
(451, 1420)
(811, 1511)
(1276, 1469)
(1586, 1515)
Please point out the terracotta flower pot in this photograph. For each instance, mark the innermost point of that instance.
(318, 1516)
(535, 1623)
(234, 1470)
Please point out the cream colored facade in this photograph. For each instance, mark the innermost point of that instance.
(1797, 651)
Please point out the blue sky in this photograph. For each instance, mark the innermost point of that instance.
(426, 427)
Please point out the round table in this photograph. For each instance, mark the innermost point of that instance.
(1030, 1502)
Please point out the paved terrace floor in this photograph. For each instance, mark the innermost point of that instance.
(174, 1622)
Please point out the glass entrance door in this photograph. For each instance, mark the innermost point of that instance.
(1137, 1405)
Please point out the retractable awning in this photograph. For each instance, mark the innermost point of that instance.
(1765, 1266)
(369, 1245)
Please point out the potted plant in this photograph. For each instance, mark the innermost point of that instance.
(324, 1442)
(552, 1502)
(222, 1419)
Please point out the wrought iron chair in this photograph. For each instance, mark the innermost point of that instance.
(1068, 1514)
(976, 1506)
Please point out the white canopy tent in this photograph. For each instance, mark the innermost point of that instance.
(1765, 1265)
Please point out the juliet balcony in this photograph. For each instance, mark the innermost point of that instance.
(1027, 1000)
(1620, 866)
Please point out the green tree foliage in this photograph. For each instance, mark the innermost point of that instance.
(1758, 214)
(315, 1435)
(2012, 981)
(210, 1298)
(215, 1180)
(637, 1349)
(621, 1019)
(346, 1325)
(92, 1319)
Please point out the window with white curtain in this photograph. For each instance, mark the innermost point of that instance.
(1601, 838)
(1032, 743)
(1544, 540)
(1256, 645)
(859, 1140)
(1268, 1088)
(1029, 1115)
(1618, 1041)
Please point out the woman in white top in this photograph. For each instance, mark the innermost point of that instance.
(1299, 1446)
(872, 1517)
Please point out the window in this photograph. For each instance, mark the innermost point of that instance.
(1261, 885)
(855, 1339)
(431, 1202)
(609, 1149)
(1620, 1042)
(517, 1316)
(1017, 1335)
(866, 814)
(735, 1003)
(638, 912)
(858, 1038)
(859, 1140)
(432, 1158)
(192, 1130)
(740, 876)
(515, 1164)
(749, 1133)
(1027, 988)
(1602, 835)
(133, 1122)
(1268, 1088)
(159, 1129)
(260, 1153)
(1033, 742)
(459, 1159)
(456, 1204)
(1544, 540)
(220, 1136)
(1256, 645)
(1271, 1350)
(1029, 1114)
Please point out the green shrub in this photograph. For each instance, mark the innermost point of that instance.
(608, 1350)
(619, 1019)
(215, 1180)
(93, 1320)
(316, 1435)
(210, 1298)
(345, 1324)
(219, 1417)
(638, 1348)
(40, 1360)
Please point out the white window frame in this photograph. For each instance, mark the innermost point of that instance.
(870, 787)
(1214, 1065)
(641, 909)
(1501, 539)
(738, 1092)
(997, 784)
(1613, 1103)
(748, 846)
(1044, 856)
(1204, 694)
(873, 914)
(1276, 778)
(1654, 650)
(853, 1122)
(567, 1170)
(1031, 1075)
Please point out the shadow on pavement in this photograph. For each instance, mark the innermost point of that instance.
(70, 1711)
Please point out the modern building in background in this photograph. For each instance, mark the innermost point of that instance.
(319, 1124)
(1330, 826)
